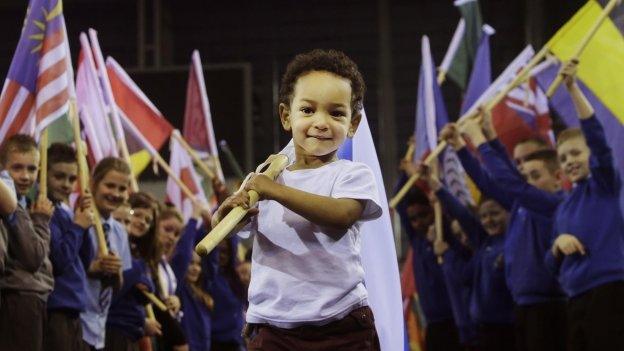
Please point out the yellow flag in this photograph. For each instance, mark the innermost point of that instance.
(601, 65)
(138, 161)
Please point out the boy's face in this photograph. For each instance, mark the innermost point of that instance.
(62, 178)
(111, 192)
(420, 217)
(23, 167)
(537, 174)
(574, 158)
(320, 115)
(493, 217)
(522, 150)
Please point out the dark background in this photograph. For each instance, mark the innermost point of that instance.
(382, 36)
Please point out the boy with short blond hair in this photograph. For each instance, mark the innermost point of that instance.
(27, 280)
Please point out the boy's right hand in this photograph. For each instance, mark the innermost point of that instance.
(439, 247)
(83, 215)
(239, 198)
(567, 244)
(152, 327)
(471, 128)
(43, 206)
(106, 264)
(450, 134)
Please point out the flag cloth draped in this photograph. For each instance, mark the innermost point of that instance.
(381, 273)
(601, 61)
(182, 166)
(136, 107)
(37, 90)
(198, 130)
(462, 61)
(92, 106)
(562, 104)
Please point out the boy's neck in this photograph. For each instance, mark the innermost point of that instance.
(303, 161)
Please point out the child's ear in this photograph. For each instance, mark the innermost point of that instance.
(355, 122)
(284, 113)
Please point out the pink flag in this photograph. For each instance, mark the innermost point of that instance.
(198, 130)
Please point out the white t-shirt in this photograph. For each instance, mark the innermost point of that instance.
(299, 274)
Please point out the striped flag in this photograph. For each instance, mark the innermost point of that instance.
(182, 166)
(134, 105)
(198, 130)
(37, 89)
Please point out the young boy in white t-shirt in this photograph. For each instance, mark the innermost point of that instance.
(307, 282)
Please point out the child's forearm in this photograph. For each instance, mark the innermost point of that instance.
(583, 108)
(321, 210)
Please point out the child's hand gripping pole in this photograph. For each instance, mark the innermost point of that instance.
(274, 165)
(154, 300)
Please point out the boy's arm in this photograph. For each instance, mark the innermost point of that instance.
(65, 243)
(466, 219)
(184, 250)
(517, 188)
(29, 238)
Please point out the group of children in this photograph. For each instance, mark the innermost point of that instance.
(539, 264)
(61, 289)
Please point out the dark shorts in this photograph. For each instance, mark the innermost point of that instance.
(22, 321)
(354, 332)
(64, 331)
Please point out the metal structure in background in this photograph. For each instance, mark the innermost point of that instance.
(149, 33)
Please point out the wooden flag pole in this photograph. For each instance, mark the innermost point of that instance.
(83, 176)
(276, 164)
(590, 34)
(175, 178)
(155, 300)
(204, 167)
(437, 212)
(43, 164)
(149, 311)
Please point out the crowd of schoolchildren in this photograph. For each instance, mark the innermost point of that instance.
(59, 290)
(539, 263)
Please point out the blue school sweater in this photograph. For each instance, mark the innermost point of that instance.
(491, 300)
(71, 253)
(228, 295)
(127, 311)
(458, 284)
(529, 230)
(196, 319)
(592, 213)
(432, 291)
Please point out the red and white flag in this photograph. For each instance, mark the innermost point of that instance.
(198, 130)
(182, 166)
(92, 106)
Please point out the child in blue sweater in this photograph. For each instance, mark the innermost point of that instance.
(491, 305)
(70, 252)
(588, 247)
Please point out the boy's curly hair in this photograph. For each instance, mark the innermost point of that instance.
(332, 61)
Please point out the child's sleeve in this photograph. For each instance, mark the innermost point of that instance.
(65, 242)
(506, 175)
(358, 182)
(29, 238)
(601, 159)
(469, 223)
(184, 250)
(483, 180)
(552, 263)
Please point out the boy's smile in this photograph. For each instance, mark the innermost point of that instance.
(23, 167)
(319, 116)
(574, 158)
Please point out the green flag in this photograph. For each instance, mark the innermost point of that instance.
(60, 131)
(463, 59)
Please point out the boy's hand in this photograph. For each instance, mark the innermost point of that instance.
(569, 73)
(439, 247)
(486, 124)
(471, 128)
(110, 264)
(173, 304)
(43, 206)
(450, 134)
(408, 167)
(83, 215)
(427, 175)
(152, 327)
(239, 198)
(567, 244)
(263, 185)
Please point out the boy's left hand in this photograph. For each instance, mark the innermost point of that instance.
(439, 247)
(568, 72)
(471, 128)
(43, 206)
(263, 185)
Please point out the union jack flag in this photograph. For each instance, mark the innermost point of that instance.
(38, 86)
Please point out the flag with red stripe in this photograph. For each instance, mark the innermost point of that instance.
(198, 130)
(182, 166)
(37, 88)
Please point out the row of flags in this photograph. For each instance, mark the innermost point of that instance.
(524, 112)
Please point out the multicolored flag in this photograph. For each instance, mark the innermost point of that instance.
(182, 166)
(460, 56)
(92, 106)
(381, 272)
(37, 89)
(198, 130)
(138, 109)
(431, 117)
